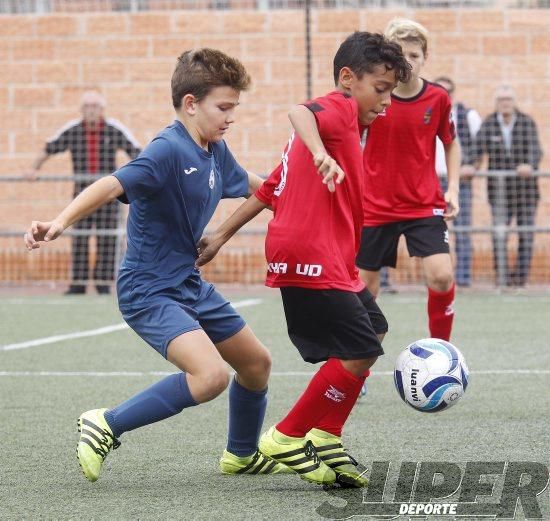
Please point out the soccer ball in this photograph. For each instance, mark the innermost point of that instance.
(431, 375)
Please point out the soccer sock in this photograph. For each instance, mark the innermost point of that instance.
(246, 417)
(332, 387)
(164, 399)
(441, 312)
(335, 419)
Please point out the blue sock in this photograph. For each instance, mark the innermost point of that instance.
(246, 417)
(160, 401)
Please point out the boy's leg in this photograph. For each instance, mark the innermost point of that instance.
(247, 404)
(441, 293)
(171, 328)
(428, 238)
(204, 378)
(240, 348)
(329, 324)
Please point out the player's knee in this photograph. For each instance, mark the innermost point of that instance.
(256, 375)
(263, 364)
(359, 367)
(441, 281)
(215, 382)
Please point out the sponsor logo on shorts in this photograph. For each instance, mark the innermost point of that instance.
(446, 236)
(334, 394)
(438, 211)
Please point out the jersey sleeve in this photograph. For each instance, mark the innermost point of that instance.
(234, 176)
(147, 174)
(266, 192)
(59, 143)
(333, 114)
(446, 130)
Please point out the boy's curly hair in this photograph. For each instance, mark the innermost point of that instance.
(362, 51)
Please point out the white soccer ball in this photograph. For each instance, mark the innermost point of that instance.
(431, 375)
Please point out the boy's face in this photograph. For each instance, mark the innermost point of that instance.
(414, 55)
(372, 92)
(215, 112)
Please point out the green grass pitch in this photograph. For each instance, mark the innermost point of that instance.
(169, 470)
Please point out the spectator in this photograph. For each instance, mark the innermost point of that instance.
(93, 142)
(468, 122)
(510, 140)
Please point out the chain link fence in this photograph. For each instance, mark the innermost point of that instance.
(497, 242)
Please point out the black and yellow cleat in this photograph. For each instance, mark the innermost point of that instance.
(255, 464)
(298, 454)
(329, 448)
(96, 441)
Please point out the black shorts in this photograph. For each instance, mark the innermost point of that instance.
(425, 237)
(331, 323)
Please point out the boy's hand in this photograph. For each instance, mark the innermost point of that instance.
(42, 231)
(207, 248)
(330, 170)
(451, 198)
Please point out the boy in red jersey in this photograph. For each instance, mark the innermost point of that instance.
(310, 248)
(402, 191)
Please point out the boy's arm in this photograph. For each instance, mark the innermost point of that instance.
(209, 245)
(103, 191)
(305, 125)
(452, 158)
(254, 182)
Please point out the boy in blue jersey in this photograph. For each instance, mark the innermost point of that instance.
(173, 188)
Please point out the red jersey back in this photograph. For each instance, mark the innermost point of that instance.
(314, 235)
(399, 157)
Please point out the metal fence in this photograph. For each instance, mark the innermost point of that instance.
(497, 241)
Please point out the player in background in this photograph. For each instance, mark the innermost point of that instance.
(311, 245)
(402, 191)
(173, 188)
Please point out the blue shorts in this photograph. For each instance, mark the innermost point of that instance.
(195, 305)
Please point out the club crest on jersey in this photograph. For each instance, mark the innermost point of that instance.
(428, 115)
(211, 180)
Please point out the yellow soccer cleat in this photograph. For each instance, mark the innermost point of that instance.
(96, 440)
(329, 448)
(255, 464)
(298, 454)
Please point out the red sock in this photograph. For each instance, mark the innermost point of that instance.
(335, 419)
(331, 388)
(441, 312)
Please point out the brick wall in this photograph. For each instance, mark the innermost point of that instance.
(46, 62)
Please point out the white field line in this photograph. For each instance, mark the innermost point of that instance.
(100, 374)
(99, 331)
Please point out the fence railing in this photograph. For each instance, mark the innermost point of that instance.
(134, 6)
(511, 230)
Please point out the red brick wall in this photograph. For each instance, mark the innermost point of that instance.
(46, 62)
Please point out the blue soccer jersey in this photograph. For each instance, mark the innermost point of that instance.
(173, 188)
